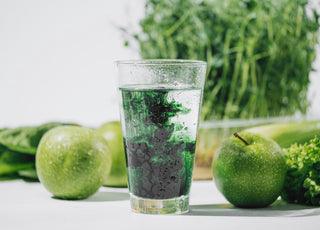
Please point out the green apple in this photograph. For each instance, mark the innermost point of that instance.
(117, 177)
(249, 170)
(72, 162)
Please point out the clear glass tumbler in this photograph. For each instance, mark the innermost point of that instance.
(160, 107)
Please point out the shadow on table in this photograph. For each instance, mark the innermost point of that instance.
(102, 196)
(277, 209)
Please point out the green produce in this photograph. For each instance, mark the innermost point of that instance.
(12, 162)
(249, 170)
(25, 139)
(17, 150)
(117, 176)
(259, 53)
(302, 182)
(286, 134)
(28, 174)
(72, 162)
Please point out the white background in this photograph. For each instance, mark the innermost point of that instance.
(57, 60)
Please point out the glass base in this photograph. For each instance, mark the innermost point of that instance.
(177, 205)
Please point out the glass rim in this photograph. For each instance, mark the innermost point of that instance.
(146, 62)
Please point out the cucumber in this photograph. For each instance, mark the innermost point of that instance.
(286, 134)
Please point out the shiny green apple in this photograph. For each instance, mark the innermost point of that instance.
(117, 177)
(72, 162)
(249, 170)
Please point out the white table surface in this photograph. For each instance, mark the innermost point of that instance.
(29, 206)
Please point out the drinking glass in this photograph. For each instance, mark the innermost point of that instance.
(160, 103)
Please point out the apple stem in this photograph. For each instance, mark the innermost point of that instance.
(238, 136)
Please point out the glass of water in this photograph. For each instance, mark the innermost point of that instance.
(160, 103)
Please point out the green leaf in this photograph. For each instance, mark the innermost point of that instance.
(25, 139)
(12, 162)
(29, 174)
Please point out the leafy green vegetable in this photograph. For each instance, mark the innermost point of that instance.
(259, 53)
(14, 165)
(12, 162)
(9, 177)
(25, 139)
(302, 183)
(18, 147)
(29, 174)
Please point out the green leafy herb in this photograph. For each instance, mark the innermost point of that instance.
(259, 53)
(302, 183)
